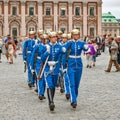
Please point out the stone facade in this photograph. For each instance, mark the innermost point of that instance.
(17, 17)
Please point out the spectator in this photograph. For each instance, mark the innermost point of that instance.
(113, 48)
(98, 42)
(96, 48)
(118, 55)
(10, 45)
(89, 54)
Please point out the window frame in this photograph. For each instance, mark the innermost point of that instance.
(33, 10)
(61, 11)
(46, 11)
(16, 32)
(79, 11)
(90, 11)
(13, 6)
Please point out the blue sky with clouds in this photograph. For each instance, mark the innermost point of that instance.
(113, 6)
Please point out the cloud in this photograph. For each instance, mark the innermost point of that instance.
(112, 6)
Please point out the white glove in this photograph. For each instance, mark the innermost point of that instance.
(64, 70)
(48, 48)
(86, 46)
(64, 49)
(32, 71)
(24, 61)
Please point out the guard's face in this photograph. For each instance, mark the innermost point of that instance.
(64, 40)
(76, 37)
(44, 41)
(59, 35)
(31, 36)
(40, 35)
(53, 39)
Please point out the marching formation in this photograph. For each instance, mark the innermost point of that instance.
(52, 60)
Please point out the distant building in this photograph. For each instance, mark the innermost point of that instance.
(110, 25)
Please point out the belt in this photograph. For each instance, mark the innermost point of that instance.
(71, 56)
(28, 51)
(38, 57)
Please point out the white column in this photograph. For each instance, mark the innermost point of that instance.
(23, 25)
(40, 16)
(70, 17)
(118, 32)
(99, 19)
(84, 18)
(6, 25)
(55, 16)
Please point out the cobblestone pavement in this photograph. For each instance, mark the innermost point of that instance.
(99, 95)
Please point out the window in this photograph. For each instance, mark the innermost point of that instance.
(91, 11)
(92, 32)
(31, 10)
(14, 10)
(115, 35)
(31, 29)
(14, 31)
(63, 30)
(62, 12)
(48, 11)
(105, 20)
(77, 11)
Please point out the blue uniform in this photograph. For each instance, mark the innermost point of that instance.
(27, 52)
(36, 64)
(54, 55)
(64, 66)
(75, 66)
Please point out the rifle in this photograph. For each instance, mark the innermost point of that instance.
(39, 77)
(25, 66)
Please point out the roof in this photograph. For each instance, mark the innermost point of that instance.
(109, 18)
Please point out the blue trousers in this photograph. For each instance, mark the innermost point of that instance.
(40, 83)
(66, 83)
(74, 78)
(51, 81)
(31, 78)
(41, 86)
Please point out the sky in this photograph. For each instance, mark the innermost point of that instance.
(112, 6)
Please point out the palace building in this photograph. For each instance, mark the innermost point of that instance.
(18, 17)
(110, 25)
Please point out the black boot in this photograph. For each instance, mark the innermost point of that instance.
(67, 96)
(50, 93)
(29, 85)
(74, 105)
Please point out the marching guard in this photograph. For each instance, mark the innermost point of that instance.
(52, 67)
(27, 52)
(64, 68)
(37, 54)
(75, 65)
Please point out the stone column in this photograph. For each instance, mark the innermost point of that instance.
(56, 16)
(23, 25)
(99, 18)
(40, 15)
(84, 18)
(70, 17)
(6, 24)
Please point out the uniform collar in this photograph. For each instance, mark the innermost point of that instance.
(75, 40)
(52, 43)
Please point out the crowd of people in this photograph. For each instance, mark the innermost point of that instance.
(54, 60)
